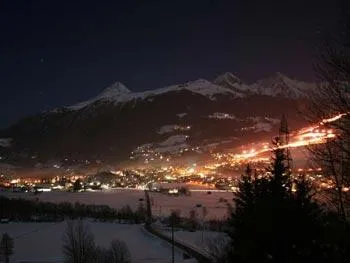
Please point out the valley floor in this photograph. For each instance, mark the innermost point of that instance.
(216, 203)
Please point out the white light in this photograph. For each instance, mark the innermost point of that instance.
(44, 189)
(173, 191)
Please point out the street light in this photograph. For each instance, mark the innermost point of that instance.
(172, 215)
(172, 241)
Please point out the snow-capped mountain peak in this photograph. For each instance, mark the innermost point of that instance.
(118, 93)
(278, 85)
(281, 85)
(228, 77)
(116, 89)
(232, 82)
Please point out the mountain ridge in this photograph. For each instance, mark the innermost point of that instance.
(226, 83)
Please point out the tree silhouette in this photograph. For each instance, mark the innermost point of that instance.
(333, 70)
(78, 243)
(6, 247)
(175, 218)
(77, 186)
(270, 223)
(119, 252)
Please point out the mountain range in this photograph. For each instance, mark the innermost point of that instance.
(191, 118)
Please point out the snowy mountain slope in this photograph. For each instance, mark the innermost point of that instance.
(230, 81)
(118, 93)
(281, 85)
(225, 84)
(276, 85)
(200, 86)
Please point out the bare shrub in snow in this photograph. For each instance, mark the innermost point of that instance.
(119, 252)
(79, 246)
(219, 249)
(116, 253)
(78, 243)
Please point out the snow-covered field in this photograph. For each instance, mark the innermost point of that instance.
(162, 204)
(43, 241)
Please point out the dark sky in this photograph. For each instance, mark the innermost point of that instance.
(55, 53)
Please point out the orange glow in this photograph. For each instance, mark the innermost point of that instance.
(307, 136)
(332, 119)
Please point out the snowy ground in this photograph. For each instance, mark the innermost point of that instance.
(200, 241)
(42, 241)
(162, 204)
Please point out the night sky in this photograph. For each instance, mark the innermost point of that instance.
(56, 53)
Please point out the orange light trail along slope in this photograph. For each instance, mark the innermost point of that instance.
(310, 135)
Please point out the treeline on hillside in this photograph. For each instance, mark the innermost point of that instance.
(29, 210)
